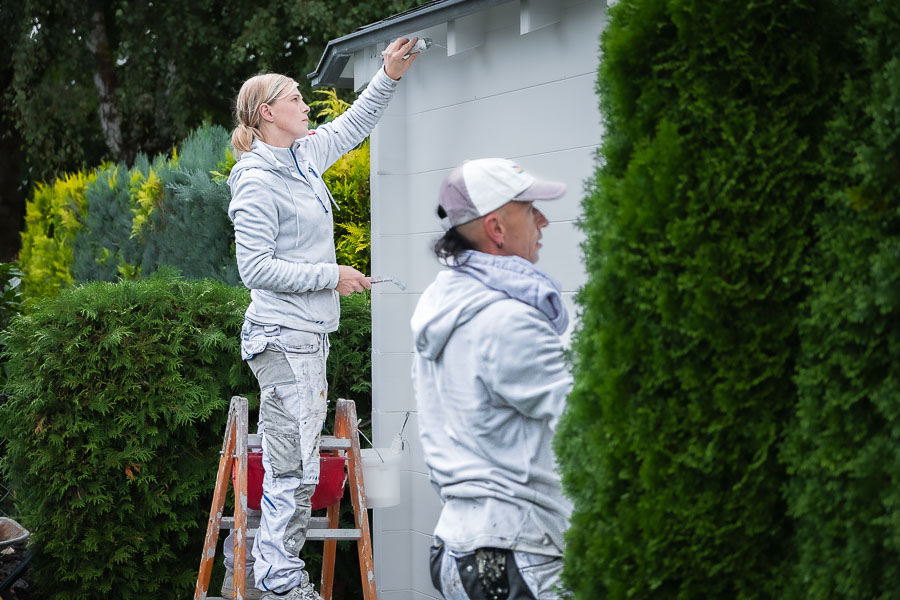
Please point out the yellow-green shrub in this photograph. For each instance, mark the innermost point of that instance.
(348, 180)
(53, 217)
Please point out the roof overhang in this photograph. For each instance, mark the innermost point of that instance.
(331, 68)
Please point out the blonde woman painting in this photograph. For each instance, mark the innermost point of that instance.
(282, 215)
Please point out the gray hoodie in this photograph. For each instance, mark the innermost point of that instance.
(283, 226)
(491, 383)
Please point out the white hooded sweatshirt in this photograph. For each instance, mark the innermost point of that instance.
(491, 383)
(283, 226)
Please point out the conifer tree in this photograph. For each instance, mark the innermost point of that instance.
(698, 231)
(844, 452)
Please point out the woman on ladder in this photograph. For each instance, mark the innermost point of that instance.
(284, 236)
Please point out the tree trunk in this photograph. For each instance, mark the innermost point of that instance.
(105, 82)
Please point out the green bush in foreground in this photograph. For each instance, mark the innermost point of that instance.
(118, 398)
(10, 305)
(845, 451)
(698, 233)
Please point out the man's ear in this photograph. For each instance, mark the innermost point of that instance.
(494, 230)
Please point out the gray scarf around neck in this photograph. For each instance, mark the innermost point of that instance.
(518, 279)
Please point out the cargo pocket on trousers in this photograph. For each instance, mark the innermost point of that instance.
(437, 554)
(284, 453)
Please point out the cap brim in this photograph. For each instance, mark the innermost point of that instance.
(542, 190)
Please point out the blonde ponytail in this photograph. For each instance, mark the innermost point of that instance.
(243, 136)
(256, 91)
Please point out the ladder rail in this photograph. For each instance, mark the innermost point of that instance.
(345, 426)
(234, 456)
(218, 504)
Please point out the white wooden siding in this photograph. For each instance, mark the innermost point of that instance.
(529, 97)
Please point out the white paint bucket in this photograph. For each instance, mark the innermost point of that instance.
(382, 477)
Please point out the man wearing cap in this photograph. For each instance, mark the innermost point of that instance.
(491, 383)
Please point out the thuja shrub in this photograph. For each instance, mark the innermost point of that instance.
(118, 397)
(104, 248)
(845, 451)
(348, 180)
(189, 226)
(698, 227)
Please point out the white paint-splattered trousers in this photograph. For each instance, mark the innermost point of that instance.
(290, 367)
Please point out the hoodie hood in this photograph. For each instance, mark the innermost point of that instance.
(262, 156)
(477, 281)
(450, 301)
(519, 279)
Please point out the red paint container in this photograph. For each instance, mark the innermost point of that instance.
(329, 490)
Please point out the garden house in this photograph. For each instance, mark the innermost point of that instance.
(508, 78)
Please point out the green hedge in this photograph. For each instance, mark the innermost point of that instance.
(845, 451)
(698, 227)
(114, 422)
(116, 411)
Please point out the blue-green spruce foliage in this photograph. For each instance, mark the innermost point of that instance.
(698, 230)
(183, 219)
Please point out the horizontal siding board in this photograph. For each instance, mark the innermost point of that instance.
(408, 201)
(506, 61)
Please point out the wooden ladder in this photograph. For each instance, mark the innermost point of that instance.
(234, 451)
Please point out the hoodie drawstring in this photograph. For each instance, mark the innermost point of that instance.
(300, 171)
(294, 202)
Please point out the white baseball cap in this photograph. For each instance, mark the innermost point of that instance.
(479, 187)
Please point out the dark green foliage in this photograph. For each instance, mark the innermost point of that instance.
(845, 451)
(698, 231)
(84, 82)
(10, 305)
(349, 368)
(118, 396)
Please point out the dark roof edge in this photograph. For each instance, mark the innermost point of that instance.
(338, 51)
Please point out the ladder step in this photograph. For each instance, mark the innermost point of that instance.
(253, 522)
(327, 442)
(318, 529)
(321, 534)
(331, 534)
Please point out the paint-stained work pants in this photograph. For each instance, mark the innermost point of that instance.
(290, 368)
(495, 574)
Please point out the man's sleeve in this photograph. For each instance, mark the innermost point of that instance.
(525, 365)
